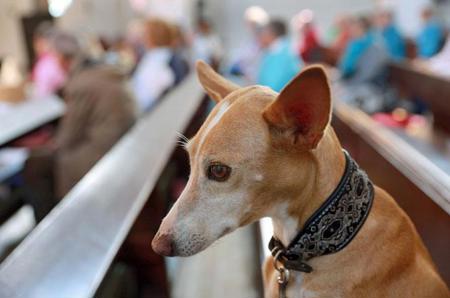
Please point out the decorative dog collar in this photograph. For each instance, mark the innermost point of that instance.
(333, 225)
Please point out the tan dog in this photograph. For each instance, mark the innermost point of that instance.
(263, 154)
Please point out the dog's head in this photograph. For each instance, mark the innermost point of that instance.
(252, 150)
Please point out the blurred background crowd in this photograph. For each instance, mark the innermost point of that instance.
(110, 63)
(155, 51)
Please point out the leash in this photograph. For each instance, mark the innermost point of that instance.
(331, 228)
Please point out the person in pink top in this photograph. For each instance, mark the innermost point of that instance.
(50, 72)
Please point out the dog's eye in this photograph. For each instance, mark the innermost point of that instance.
(218, 172)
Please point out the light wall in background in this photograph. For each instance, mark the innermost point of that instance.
(107, 18)
(11, 38)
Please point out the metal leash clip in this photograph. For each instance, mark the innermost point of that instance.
(283, 273)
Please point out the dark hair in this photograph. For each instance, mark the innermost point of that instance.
(159, 32)
(278, 27)
(203, 22)
(65, 44)
(44, 30)
(365, 23)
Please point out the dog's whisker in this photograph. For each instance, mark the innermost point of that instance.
(183, 140)
(182, 143)
(183, 137)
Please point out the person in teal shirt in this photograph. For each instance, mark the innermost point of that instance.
(394, 43)
(362, 40)
(431, 38)
(279, 64)
(390, 36)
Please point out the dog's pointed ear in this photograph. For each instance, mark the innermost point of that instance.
(213, 83)
(302, 110)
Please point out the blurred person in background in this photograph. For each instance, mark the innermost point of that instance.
(310, 44)
(340, 34)
(153, 75)
(309, 48)
(49, 74)
(363, 68)
(99, 110)
(389, 35)
(247, 57)
(336, 39)
(362, 39)
(279, 64)
(431, 38)
(120, 54)
(136, 38)
(438, 64)
(178, 62)
(206, 44)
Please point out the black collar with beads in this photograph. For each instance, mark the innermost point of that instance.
(333, 225)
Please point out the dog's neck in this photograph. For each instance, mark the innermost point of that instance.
(329, 169)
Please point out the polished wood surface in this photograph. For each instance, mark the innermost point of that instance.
(434, 90)
(69, 252)
(419, 186)
(21, 118)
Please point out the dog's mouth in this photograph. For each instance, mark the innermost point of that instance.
(225, 231)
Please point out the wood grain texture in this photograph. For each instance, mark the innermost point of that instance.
(434, 90)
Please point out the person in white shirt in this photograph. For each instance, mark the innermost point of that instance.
(206, 45)
(153, 75)
(248, 55)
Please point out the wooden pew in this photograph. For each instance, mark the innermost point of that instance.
(24, 117)
(18, 120)
(432, 89)
(420, 187)
(70, 251)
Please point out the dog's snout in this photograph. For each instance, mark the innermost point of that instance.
(163, 244)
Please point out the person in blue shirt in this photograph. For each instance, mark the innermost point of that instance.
(431, 38)
(279, 64)
(362, 38)
(390, 36)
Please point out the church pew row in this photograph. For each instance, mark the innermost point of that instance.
(71, 250)
(420, 187)
(434, 90)
(24, 117)
(20, 120)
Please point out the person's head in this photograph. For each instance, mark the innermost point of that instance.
(303, 21)
(158, 34)
(255, 17)
(382, 19)
(41, 38)
(307, 27)
(135, 34)
(178, 38)
(65, 47)
(342, 21)
(360, 26)
(427, 14)
(274, 30)
(204, 26)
